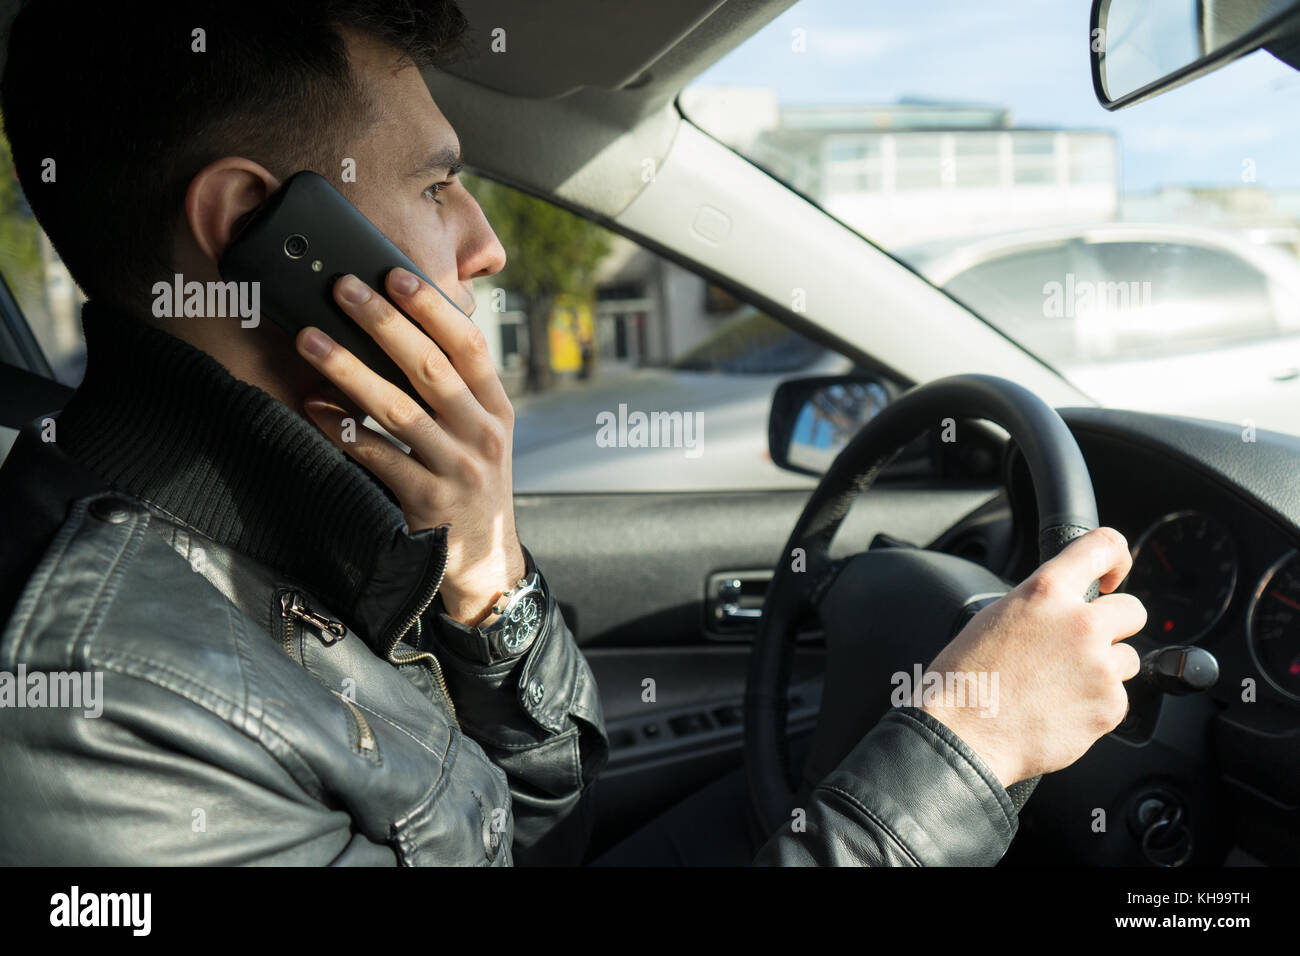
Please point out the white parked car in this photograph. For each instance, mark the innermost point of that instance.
(1164, 318)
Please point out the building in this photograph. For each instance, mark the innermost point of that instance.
(914, 172)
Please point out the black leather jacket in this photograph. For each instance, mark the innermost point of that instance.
(232, 733)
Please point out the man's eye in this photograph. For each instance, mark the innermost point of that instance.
(431, 192)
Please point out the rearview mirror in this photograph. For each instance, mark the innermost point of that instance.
(814, 418)
(1141, 48)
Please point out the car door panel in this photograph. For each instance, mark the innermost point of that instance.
(630, 572)
(630, 569)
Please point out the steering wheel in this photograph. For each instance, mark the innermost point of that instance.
(884, 609)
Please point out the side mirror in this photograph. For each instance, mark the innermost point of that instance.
(814, 418)
(1141, 48)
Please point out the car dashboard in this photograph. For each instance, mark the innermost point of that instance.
(1212, 516)
(1212, 571)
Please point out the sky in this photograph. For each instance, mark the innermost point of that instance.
(1030, 56)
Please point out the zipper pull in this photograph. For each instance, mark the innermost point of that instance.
(291, 605)
(365, 736)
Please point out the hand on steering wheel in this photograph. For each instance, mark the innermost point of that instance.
(1059, 660)
(891, 607)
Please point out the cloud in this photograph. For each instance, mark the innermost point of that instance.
(1165, 136)
(853, 43)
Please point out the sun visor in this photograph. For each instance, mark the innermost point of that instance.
(543, 50)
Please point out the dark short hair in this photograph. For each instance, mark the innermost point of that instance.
(118, 98)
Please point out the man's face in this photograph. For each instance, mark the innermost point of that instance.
(405, 177)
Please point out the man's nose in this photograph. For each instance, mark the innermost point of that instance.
(481, 252)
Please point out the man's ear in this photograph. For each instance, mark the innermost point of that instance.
(219, 198)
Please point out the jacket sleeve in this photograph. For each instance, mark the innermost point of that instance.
(911, 793)
(538, 717)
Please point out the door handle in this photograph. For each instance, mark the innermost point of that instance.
(732, 611)
(734, 601)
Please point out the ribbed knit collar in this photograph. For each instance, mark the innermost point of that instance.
(163, 421)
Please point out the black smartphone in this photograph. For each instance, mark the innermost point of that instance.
(297, 245)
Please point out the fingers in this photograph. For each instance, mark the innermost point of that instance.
(1125, 661)
(392, 408)
(463, 341)
(1118, 615)
(389, 464)
(1100, 555)
(414, 352)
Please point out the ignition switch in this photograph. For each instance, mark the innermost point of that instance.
(1158, 820)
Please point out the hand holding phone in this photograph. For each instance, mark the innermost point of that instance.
(458, 471)
(298, 244)
(460, 425)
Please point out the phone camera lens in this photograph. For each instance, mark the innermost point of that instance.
(295, 247)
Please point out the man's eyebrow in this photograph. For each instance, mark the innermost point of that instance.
(446, 157)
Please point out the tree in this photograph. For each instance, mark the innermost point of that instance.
(20, 242)
(548, 251)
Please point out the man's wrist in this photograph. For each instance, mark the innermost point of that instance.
(474, 608)
(500, 639)
(1005, 774)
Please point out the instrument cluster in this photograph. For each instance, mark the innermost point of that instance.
(1188, 572)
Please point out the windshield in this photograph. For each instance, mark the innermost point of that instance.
(1151, 255)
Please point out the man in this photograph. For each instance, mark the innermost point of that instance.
(297, 625)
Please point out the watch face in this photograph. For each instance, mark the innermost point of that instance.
(522, 622)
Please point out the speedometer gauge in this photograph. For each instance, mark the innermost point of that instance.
(1275, 624)
(1184, 572)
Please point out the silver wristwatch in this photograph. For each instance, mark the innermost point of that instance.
(522, 611)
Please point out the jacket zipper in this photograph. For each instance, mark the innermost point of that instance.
(421, 604)
(365, 736)
(292, 607)
(435, 668)
(330, 630)
(413, 620)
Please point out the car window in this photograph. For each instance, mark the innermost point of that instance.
(652, 378)
(1008, 291)
(40, 282)
(1168, 297)
(751, 343)
(1120, 300)
(1132, 250)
